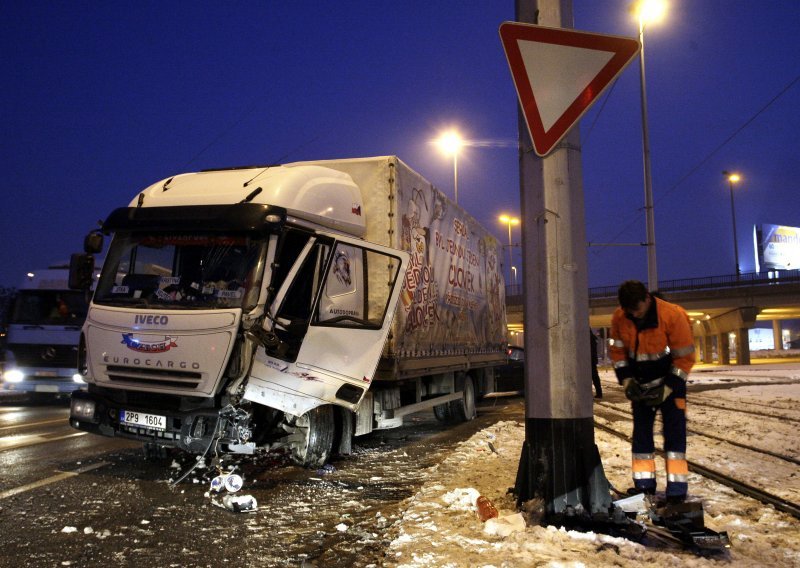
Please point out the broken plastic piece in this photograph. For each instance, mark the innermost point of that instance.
(240, 503)
(633, 504)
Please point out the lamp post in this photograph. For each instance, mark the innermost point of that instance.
(450, 143)
(509, 221)
(648, 10)
(732, 179)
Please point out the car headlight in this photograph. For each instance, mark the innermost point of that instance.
(77, 378)
(13, 376)
(82, 409)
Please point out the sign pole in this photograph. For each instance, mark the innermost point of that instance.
(560, 463)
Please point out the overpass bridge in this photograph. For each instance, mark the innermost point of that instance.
(718, 306)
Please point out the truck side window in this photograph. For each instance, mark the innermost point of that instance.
(357, 288)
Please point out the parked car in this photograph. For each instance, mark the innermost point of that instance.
(511, 376)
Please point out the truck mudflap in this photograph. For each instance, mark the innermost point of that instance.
(192, 431)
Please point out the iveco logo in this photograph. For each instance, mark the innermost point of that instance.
(48, 354)
(147, 319)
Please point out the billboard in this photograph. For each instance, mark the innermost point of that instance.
(777, 247)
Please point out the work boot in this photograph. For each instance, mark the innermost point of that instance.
(676, 499)
(638, 490)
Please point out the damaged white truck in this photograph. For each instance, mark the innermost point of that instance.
(248, 309)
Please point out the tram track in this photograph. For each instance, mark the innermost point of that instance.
(761, 495)
(783, 457)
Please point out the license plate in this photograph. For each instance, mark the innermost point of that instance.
(152, 421)
(46, 388)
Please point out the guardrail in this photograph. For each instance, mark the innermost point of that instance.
(748, 279)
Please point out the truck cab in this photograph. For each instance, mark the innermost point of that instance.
(43, 328)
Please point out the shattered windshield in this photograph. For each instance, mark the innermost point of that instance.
(176, 271)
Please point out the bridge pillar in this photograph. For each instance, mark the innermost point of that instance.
(708, 349)
(723, 349)
(777, 334)
(742, 346)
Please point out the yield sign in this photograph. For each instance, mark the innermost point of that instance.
(559, 73)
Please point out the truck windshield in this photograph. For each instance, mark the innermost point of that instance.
(182, 271)
(49, 307)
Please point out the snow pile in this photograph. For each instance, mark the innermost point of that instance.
(440, 526)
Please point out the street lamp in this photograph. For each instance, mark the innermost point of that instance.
(509, 221)
(732, 179)
(450, 143)
(648, 11)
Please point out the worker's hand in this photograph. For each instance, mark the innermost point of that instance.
(623, 373)
(633, 391)
(656, 395)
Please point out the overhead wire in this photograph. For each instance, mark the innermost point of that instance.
(702, 162)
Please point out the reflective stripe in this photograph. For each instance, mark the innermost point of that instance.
(679, 373)
(677, 466)
(679, 478)
(680, 403)
(644, 466)
(683, 351)
(620, 364)
(649, 356)
(616, 343)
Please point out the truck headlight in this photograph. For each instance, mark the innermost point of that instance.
(82, 409)
(13, 376)
(77, 378)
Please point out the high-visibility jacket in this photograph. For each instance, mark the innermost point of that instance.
(662, 344)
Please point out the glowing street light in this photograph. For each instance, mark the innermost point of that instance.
(732, 179)
(450, 143)
(509, 221)
(648, 11)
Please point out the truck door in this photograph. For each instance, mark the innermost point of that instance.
(355, 295)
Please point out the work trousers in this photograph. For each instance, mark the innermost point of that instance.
(673, 415)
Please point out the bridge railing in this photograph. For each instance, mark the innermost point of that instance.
(711, 282)
(690, 284)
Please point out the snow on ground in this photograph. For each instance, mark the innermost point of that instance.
(441, 529)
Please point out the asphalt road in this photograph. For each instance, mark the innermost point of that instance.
(74, 499)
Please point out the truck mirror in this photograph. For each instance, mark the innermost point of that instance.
(93, 243)
(81, 268)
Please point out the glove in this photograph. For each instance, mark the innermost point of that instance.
(677, 384)
(623, 373)
(633, 391)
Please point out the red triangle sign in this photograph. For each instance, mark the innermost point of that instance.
(559, 73)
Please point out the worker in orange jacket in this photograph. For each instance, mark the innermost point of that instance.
(653, 352)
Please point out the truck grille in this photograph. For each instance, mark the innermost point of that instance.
(188, 380)
(55, 356)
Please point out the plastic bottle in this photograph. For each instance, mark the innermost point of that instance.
(486, 510)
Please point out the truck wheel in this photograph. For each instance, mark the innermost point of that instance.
(443, 413)
(463, 410)
(310, 438)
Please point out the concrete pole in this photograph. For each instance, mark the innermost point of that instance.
(560, 462)
(777, 335)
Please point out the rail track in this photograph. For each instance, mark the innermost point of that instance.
(737, 485)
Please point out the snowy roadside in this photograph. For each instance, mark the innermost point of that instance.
(440, 526)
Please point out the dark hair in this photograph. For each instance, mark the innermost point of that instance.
(630, 293)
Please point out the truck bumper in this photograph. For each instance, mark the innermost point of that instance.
(191, 431)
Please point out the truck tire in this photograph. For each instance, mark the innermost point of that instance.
(310, 438)
(463, 410)
(443, 412)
